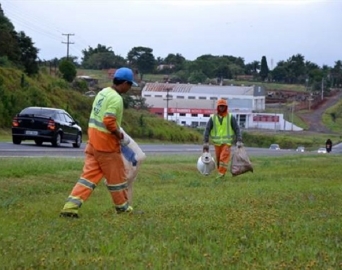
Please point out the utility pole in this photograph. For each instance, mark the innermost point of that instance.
(68, 43)
(167, 103)
(292, 115)
(322, 88)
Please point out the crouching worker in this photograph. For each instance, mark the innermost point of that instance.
(103, 157)
(223, 130)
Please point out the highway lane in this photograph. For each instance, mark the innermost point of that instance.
(29, 149)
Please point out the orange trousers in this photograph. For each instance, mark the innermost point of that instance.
(222, 153)
(96, 166)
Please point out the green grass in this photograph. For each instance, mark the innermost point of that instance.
(285, 215)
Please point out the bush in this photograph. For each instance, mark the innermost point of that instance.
(68, 70)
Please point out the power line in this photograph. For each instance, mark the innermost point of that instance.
(68, 43)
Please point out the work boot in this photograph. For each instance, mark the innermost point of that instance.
(69, 214)
(129, 211)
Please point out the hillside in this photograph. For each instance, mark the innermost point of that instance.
(18, 91)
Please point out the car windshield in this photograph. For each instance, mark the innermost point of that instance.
(38, 111)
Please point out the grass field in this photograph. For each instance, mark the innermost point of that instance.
(285, 215)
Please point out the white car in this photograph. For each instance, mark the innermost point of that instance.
(274, 147)
(300, 149)
(322, 150)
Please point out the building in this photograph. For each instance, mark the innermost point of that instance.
(89, 80)
(192, 105)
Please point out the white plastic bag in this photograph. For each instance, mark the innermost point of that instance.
(240, 162)
(132, 156)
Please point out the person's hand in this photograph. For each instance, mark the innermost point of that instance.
(239, 144)
(206, 147)
(124, 140)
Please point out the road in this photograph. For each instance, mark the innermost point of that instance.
(29, 149)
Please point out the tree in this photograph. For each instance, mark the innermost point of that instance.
(175, 59)
(99, 49)
(279, 74)
(28, 54)
(68, 70)
(336, 74)
(143, 59)
(8, 39)
(296, 69)
(252, 68)
(264, 69)
(197, 77)
(101, 57)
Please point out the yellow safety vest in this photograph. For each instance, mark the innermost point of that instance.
(222, 133)
(107, 102)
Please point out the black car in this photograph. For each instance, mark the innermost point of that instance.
(42, 124)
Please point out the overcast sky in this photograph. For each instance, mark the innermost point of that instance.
(247, 29)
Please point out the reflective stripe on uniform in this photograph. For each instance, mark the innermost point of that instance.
(118, 187)
(222, 164)
(77, 201)
(122, 207)
(98, 125)
(86, 183)
(109, 114)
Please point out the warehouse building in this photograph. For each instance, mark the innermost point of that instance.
(192, 104)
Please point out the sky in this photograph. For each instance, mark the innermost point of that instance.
(248, 29)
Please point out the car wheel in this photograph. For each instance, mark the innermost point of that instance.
(56, 142)
(38, 142)
(78, 142)
(16, 140)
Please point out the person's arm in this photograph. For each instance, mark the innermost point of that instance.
(236, 129)
(206, 135)
(109, 119)
(207, 130)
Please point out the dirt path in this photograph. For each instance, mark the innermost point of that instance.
(314, 117)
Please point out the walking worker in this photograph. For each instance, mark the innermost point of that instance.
(223, 130)
(103, 158)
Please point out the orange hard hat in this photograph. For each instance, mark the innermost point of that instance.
(221, 102)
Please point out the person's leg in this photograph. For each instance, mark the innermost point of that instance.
(114, 171)
(89, 179)
(223, 153)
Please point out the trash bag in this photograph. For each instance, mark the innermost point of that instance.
(132, 156)
(240, 162)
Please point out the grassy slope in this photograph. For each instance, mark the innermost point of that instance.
(45, 90)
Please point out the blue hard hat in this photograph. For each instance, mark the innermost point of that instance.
(125, 74)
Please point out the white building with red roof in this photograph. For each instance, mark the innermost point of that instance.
(192, 104)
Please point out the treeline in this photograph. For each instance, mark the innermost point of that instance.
(19, 51)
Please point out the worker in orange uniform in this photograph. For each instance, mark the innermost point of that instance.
(103, 157)
(223, 130)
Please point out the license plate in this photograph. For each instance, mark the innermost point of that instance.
(30, 132)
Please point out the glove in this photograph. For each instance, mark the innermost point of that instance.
(124, 140)
(239, 144)
(206, 147)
